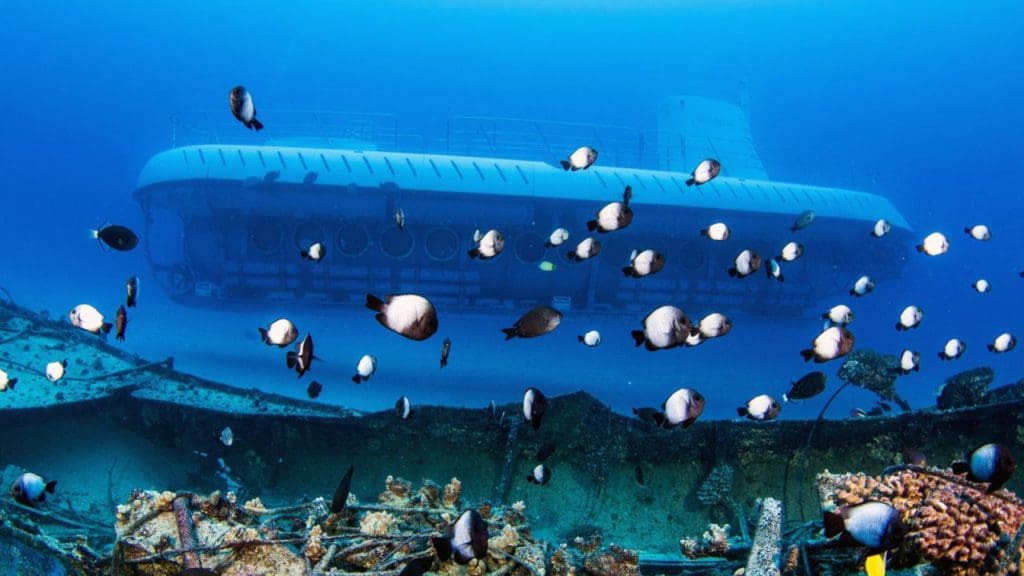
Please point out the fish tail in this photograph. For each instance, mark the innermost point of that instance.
(807, 354)
(659, 420)
(638, 337)
(510, 333)
(853, 292)
(704, 232)
(627, 270)
(579, 338)
(591, 225)
(264, 336)
(834, 525)
(256, 124)
(374, 303)
(11, 383)
(691, 181)
(733, 272)
(959, 467)
(531, 479)
(357, 379)
(991, 348)
(548, 245)
(290, 359)
(106, 327)
(572, 256)
(51, 486)
(742, 411)
(566, 165)
(920, 247)
(474, 253)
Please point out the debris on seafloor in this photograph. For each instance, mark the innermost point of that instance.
(166, 532)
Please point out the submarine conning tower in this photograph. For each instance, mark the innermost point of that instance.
(225, 221)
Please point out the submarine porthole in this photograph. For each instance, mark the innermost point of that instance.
(529, 248)
(441, 244)
(265, 236)
(352, 240)
(396, 243)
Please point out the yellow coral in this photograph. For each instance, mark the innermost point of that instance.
(452, 493)
(164, 500)
(376, 523)
(519, 506)
(314, 548)
(507, 540)
(255, 505)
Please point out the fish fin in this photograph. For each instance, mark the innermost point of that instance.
(531, 479)
(510, 333)
(920, 247)
(290, 359)
(807, 354)
(264, 336)
(959, 467)
(899, 327)
(853, 292)
(566, 164)
(572, 256)
(782, 278)
(119, 337)
(474, 253)
(579, 338)
(824, 316)
(11, 383)
(659, 420)
(51, 486)
(991, 348)
(733, 272)
(591, 225)
(256, 124)
(357, 379)
(638, 337)
(650, 346)
(106, 327)
(688, 422)
(874, 565)
(742, 411)
(834, 525)
(917, 368)
(627, 271)
(374, 303)
(943, 356)
(967, 230)
(536, 422)
(691, 181)
(704, 232)
(442, 547)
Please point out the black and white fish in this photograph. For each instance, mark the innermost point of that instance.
(403, 409)
(713, 325)
(120, 323)
(704, 172)
(89, 319)
(243, 108)
(979, 232)
(644, 263)
(583, 158)
(934, 244)
(587, 248)
(6, 382)
(832, 343)
(536, 322)
(30, 489)
(773, 270)
(132, 291)
(808, 386)
(315, 252)
(557, 238)
(280, 333)
(909, 318)
(340, 499)
(876, 525)
(953, 349)
(647, 414)
(614, 215)
(546, 451)
(881, 228)
(681, 408)
(400, 219)
(227, 437)
(981, 285)
(446, 349)
(910, 361)
(55, 370)
(665, 327)
(791, 251)
(591, 338)
(540, 476)
(839, 315)
(463, 540)
(488, 245)
(365, 368)
(803, 220)
(746, 263)
(410, 315)
(535, 404)
(1003, 343)
(762, 407)
(992, 463)
(117, 237)
(302, 357)
(863, 286)
(717, 231)
(314, 389)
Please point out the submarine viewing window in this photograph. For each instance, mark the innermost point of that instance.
(441, 244)
(352, 240)
(265, 236)
(529, 247)
(396, 243)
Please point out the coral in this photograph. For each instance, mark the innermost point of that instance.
(314, 549)
(716, 540)
(506, 541)
(430, 494)
(376, 523)
(767, 546)
(872, 371)
(792, 560)
(717, 487)
(396, 493)
(164, 500)
(615, 562)
(254, 505)
(486, 508)
(519, 506)
(952, 523)
(452, 493)
(964, 389)
(532, 555)
(587, 544)
(560, 563)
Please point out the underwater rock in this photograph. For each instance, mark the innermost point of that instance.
(964, 389)
(872, 371)
(1009, 393)
(952, 522)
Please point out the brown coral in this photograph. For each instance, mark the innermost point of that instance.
(397, 491)
(615, 562)
(951, 522)
(452, 493)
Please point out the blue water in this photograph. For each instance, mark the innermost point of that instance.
(916, 101)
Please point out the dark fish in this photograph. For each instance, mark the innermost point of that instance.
(301, 358)
(417, 567)
(403, 409)
(535, 404)
(120, 322)
(639, 475)
(875, 525)
(310, 177)
(341, 493)
(243, 108)
(464, 540)
(30, 489)
(990, 463)
(803, 220)
(314, 388)
(410, 315)
(540, 476)
(132, 287)
(545, 451)
(806, 387)
(540, 320)
(446, 349)
(117, 237)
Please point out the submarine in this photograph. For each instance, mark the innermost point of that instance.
(227, 217)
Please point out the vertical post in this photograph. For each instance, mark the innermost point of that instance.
(186, 536)
(766, 550)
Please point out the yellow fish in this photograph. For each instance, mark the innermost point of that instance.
(546, 266)
(875, 565)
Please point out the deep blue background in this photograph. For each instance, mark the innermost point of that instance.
(918, 101)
